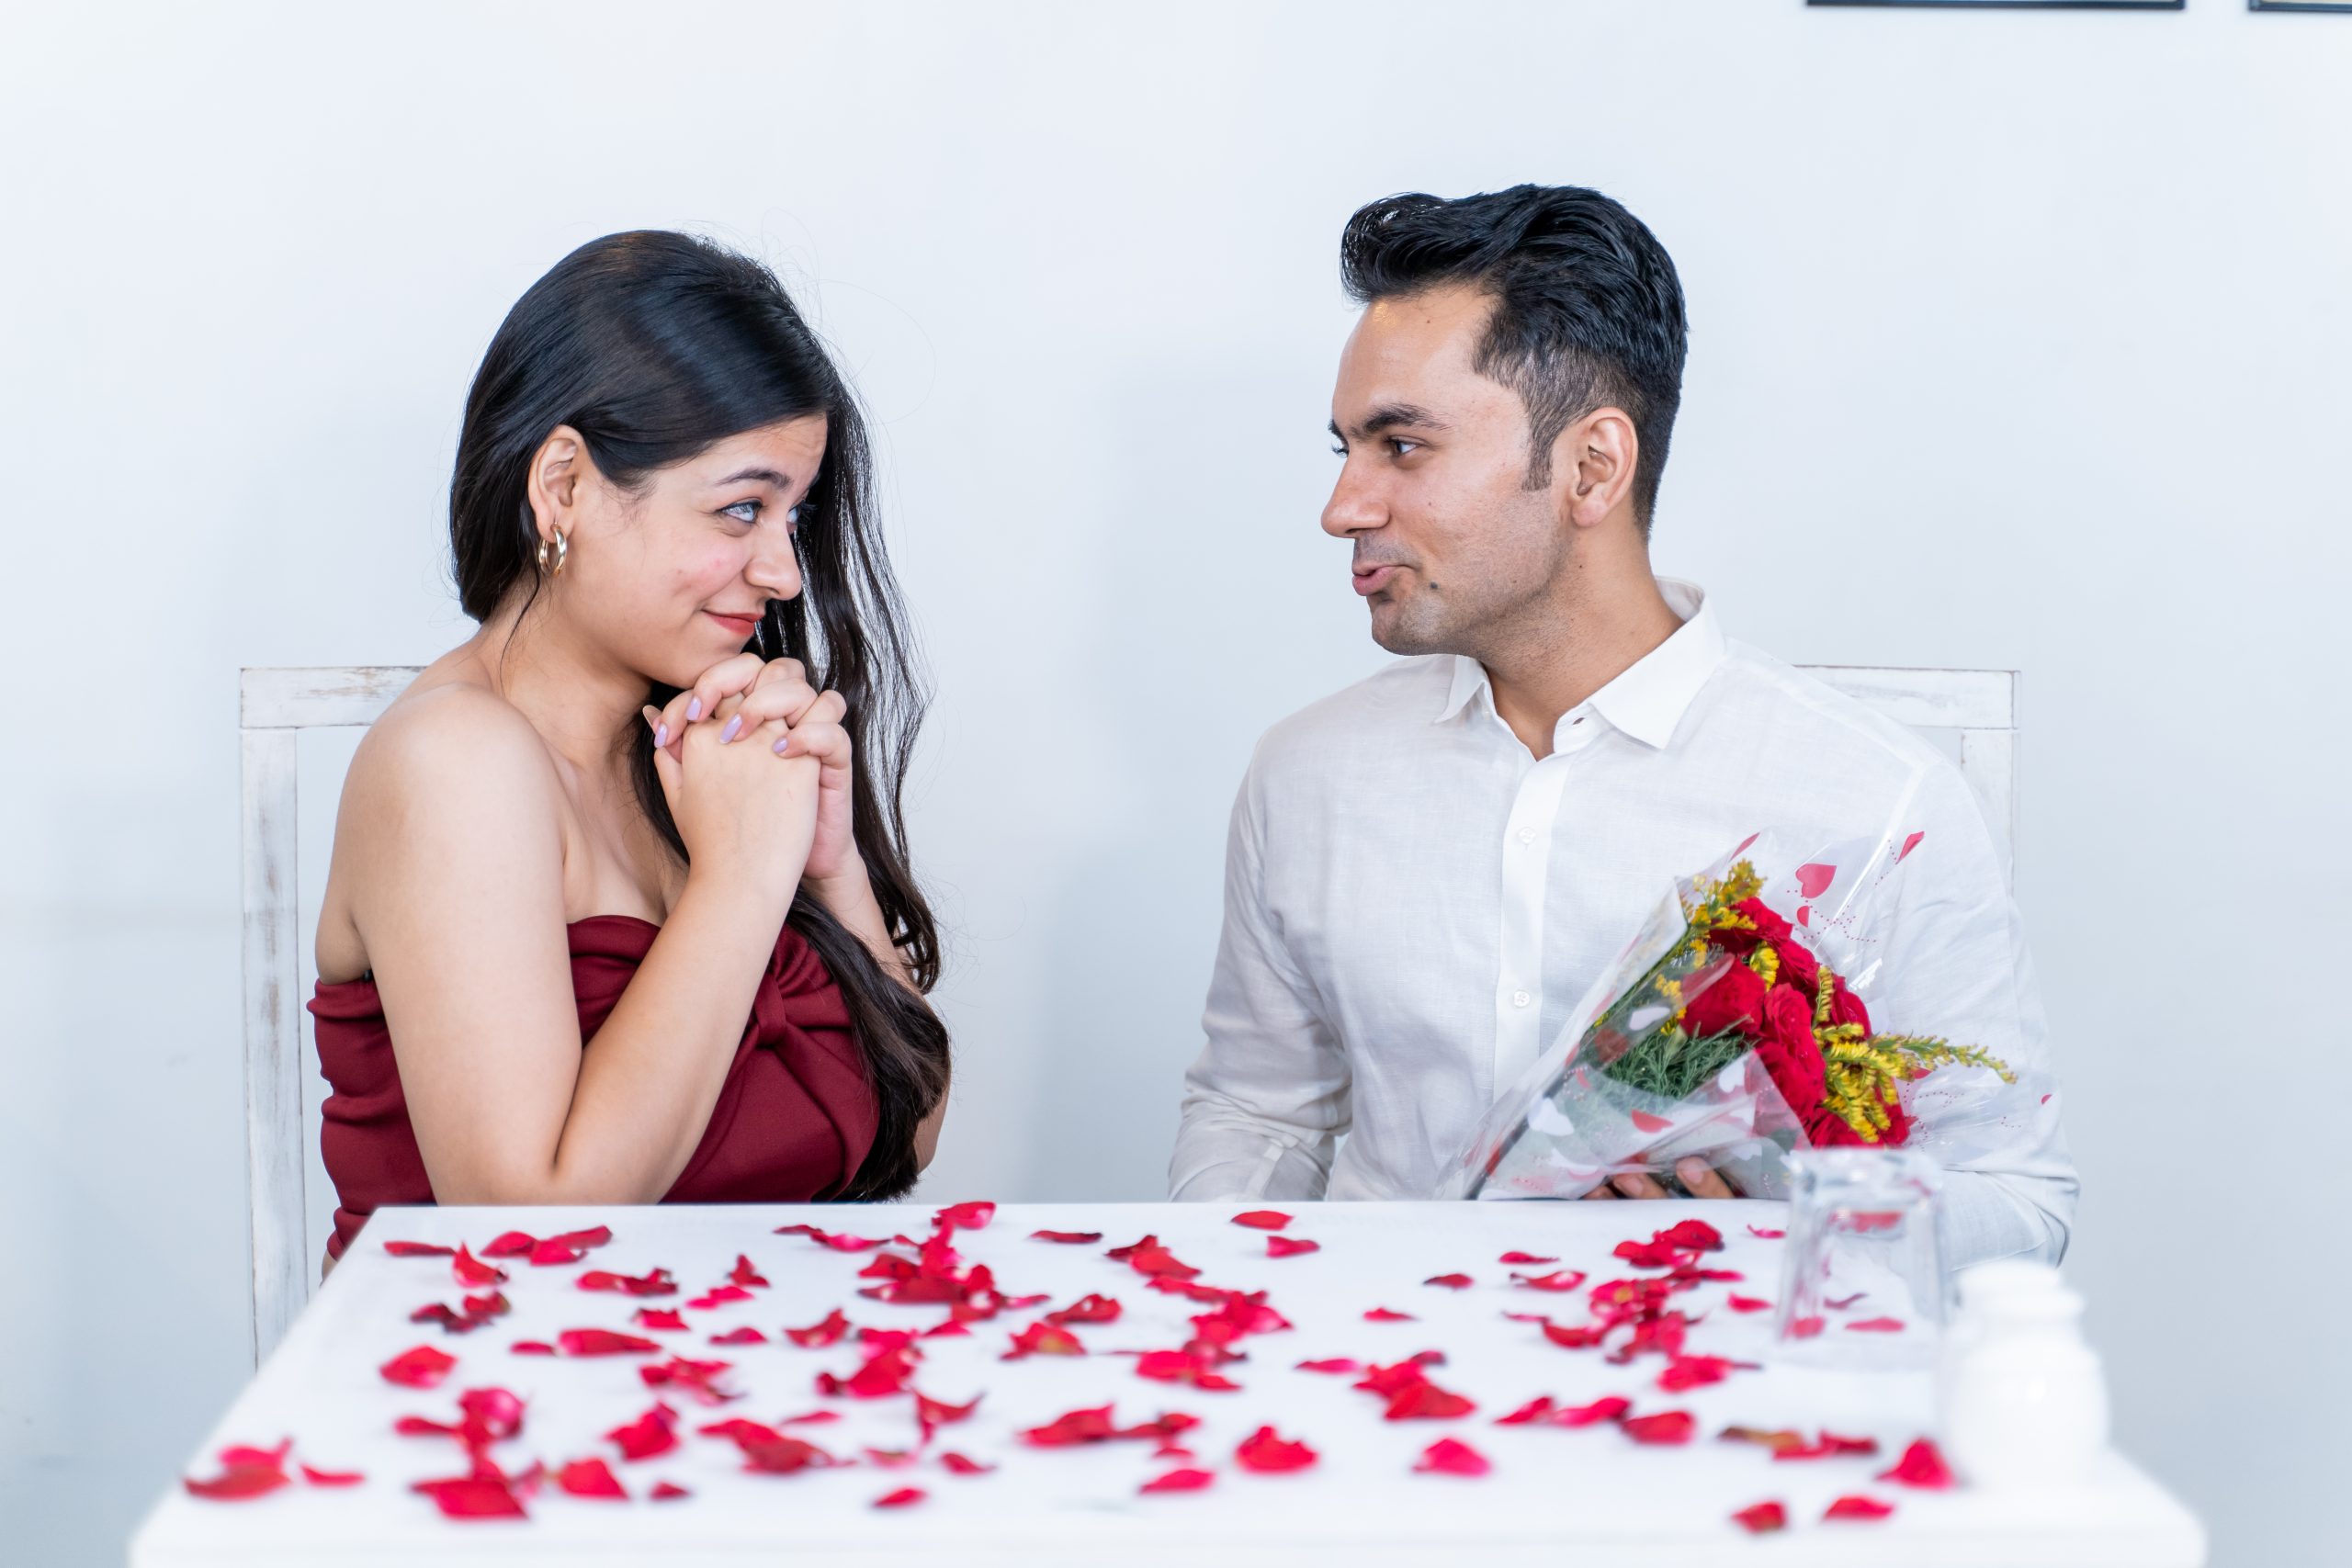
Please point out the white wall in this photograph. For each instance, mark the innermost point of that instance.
(2020, 339)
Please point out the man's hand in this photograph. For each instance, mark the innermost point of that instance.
(1695, 1174)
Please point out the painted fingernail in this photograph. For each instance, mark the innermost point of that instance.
(780, 745)
(661, 735)
(734, 728)
(693, 709)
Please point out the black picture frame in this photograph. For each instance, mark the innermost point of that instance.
(2053, 4)
(2298, 5)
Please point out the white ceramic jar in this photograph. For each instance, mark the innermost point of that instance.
(2022, 1399)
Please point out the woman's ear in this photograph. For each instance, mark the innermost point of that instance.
(1592, 462)
(559, 470)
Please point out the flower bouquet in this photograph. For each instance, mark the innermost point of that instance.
(1732, 1028)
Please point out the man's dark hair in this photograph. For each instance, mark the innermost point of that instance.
(1588, 310)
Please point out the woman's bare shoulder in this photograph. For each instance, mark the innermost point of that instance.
(451, 739)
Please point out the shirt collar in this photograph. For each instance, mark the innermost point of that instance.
(1649, 698)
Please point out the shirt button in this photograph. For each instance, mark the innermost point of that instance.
(1520, 998)
(1527, 835)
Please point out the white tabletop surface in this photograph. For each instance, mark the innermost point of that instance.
(1550, 1488)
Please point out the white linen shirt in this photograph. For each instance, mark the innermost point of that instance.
(1414, 903)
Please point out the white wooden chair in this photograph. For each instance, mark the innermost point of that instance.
(276, 706)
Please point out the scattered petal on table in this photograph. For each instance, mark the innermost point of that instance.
(1760, 1517)
(1609, 1407)
(957, 1465)
(1858, 1507)
(1698, 1371)
(719, 1297)
(838, 1242)
(1262, 1219)
(590, 1478)
(332, 1477)
(1450, 1281)
(817, 1335)
(668, 1490)
(1042, 1338)
(1332, 1364)
(1383, 1314)
(746, 1334)
(1765, 1235)
(474, 1497)
(1290, 1247)
(903, 1497)
(511, 1244)
(653, 1433)
(1536, 1409)
(422, 1367)
(1069, 1238)
(964, 1216)
(743, 1274)
(472, 1270)
(1526, 1257)
(238, 1482)
(1179, 1481)
(531, 1348)
(419, 1249)
(1738, 1302)
(1447, 1457)
(1086, 1309)
(1558, 1280)
(661, 1320)
(1265, 1452)
(1697, 1235)
(1875, 1326)
(1667, 1427)
(603, 1342)
(1922, 1464)
(657, 1283)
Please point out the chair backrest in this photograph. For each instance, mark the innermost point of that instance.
(276, 706)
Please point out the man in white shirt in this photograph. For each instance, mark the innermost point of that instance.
(1426, 871)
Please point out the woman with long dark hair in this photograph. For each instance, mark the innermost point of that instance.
(620, 910)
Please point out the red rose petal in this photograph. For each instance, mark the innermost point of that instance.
(555, 1249)
(1527, 1258)
(422, 1367)
(1262, 1219)
(1923, 1465)
(719, 1297)
(238, 1482)
(1086, 1309)
(1765, 1235)
(903, 1497)
(1426, 1402)
(1667, 1427)
(1268, 1454)
(746, 1335)
(660, 1319)
(1558, 1280)
(1042, 1338)
(332, 1477)
(1332, 1364)
(1697, 1371)
(1447, 1457)
(603, 1342)
(839, 1243)
(590, 1478)
(1179, 1481)
(964, 1216)
(653, 1433)
(1287, 1247)
(474, 1497)
(1697, 1235)
(1147, 1257)
(1381, 1315)
(1875, 1326)
(743, 1274)
(472, 1270)
(419, 1249)
(1858, 1507)
(511, 1244)
(1760, 1517)
(1450, 1281)
(958, 1464)
(817, 1335)
(657, 1283)
(668, 1490)
(1087, 1426)
(1609, 1407)
(1536, 1409)
(1738, 1302)
(1069, 1238)
(531, 1348)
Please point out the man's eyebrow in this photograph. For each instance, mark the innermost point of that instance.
(1391, 416)
(766, 476)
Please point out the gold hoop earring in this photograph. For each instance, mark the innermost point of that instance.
(562, 549)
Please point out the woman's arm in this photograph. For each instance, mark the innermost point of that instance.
(450, 832)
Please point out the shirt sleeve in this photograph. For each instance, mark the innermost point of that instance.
(1958, 966)
(1268, 1097)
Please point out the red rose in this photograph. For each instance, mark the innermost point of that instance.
(1847, 1008)
(1769, 926)
(1734, 998)
(1789, 1052)
(1799, 967)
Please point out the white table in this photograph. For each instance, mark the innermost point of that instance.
(1587, 1495)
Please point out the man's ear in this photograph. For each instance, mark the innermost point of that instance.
(1592, 465)
(559, 471)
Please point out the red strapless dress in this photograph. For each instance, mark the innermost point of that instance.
(791, 1125)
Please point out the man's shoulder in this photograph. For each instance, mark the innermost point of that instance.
(1328, 733)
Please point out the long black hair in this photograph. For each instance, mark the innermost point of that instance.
(653, 345)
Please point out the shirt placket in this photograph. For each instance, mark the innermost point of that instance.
(1526, 879)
